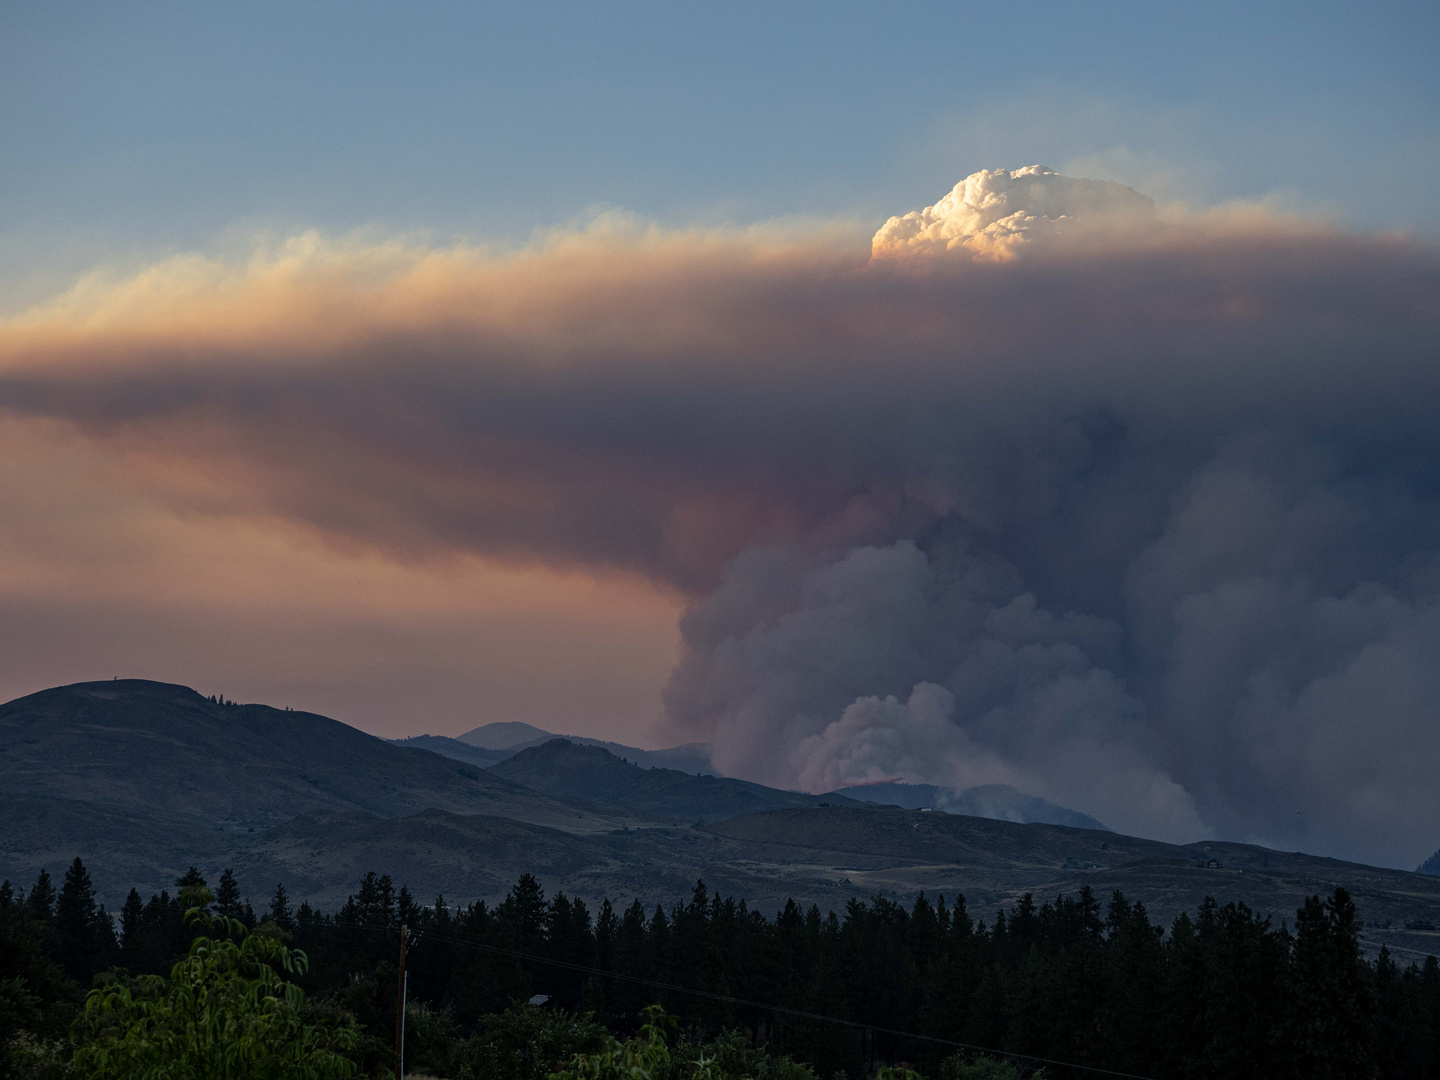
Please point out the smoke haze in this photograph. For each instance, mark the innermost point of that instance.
(1136, 512)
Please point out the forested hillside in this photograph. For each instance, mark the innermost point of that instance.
(1076, 980)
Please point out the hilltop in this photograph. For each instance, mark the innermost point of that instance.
(509, 737)
(142, 778)
(454, 748)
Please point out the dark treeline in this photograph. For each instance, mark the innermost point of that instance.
(1222, 992)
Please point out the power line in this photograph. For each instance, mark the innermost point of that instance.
(1401, 948)
(728, 999)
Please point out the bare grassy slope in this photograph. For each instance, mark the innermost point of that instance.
(563, 768)
(141, 778)
(825, 856)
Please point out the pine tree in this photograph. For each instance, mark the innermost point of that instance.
(227, 895)
(407, 911)
(131, 915)
(35, 996)
(522, 914)
(76, 935)
(1332, 1023)
(280, 909)
(607, 929)
(40, 904)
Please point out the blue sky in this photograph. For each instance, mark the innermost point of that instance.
(135, 130)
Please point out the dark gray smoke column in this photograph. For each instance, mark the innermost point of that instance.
(1137, 512)
(1163, 549)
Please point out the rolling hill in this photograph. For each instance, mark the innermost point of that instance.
(142, 778)
(454, 748)
(999, 801)
(509, 737)
(826, 855)
(563, 768)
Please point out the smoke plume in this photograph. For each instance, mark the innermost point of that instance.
(1141, 517)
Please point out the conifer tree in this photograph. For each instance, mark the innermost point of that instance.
(40, 904)
(522, 914)
(77, 933)
(131, 915)
(280, 909)
(227, 895)
(406, 910)
(1332, 1016)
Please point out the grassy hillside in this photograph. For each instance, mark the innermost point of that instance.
(989, 800)
(563, 768)
(825, 856)
(454, 748)
(993, 862)
(509, 737)
(141, 778)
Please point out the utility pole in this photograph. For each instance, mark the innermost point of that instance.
(400, 988)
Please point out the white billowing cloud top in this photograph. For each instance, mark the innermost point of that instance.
(991, 213)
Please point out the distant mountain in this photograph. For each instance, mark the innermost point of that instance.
(454, 748)
(505, 735)
(1430, 866)
(563, 768)
(511, 736)
(687, 758)
(142, 778)
(998, 801)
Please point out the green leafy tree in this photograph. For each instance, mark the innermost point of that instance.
(640, 1058)
(227, 1011)
(732, 1056)
(526, 1042)
(968, 1066)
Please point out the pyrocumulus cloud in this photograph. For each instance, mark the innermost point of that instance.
(991, 213)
